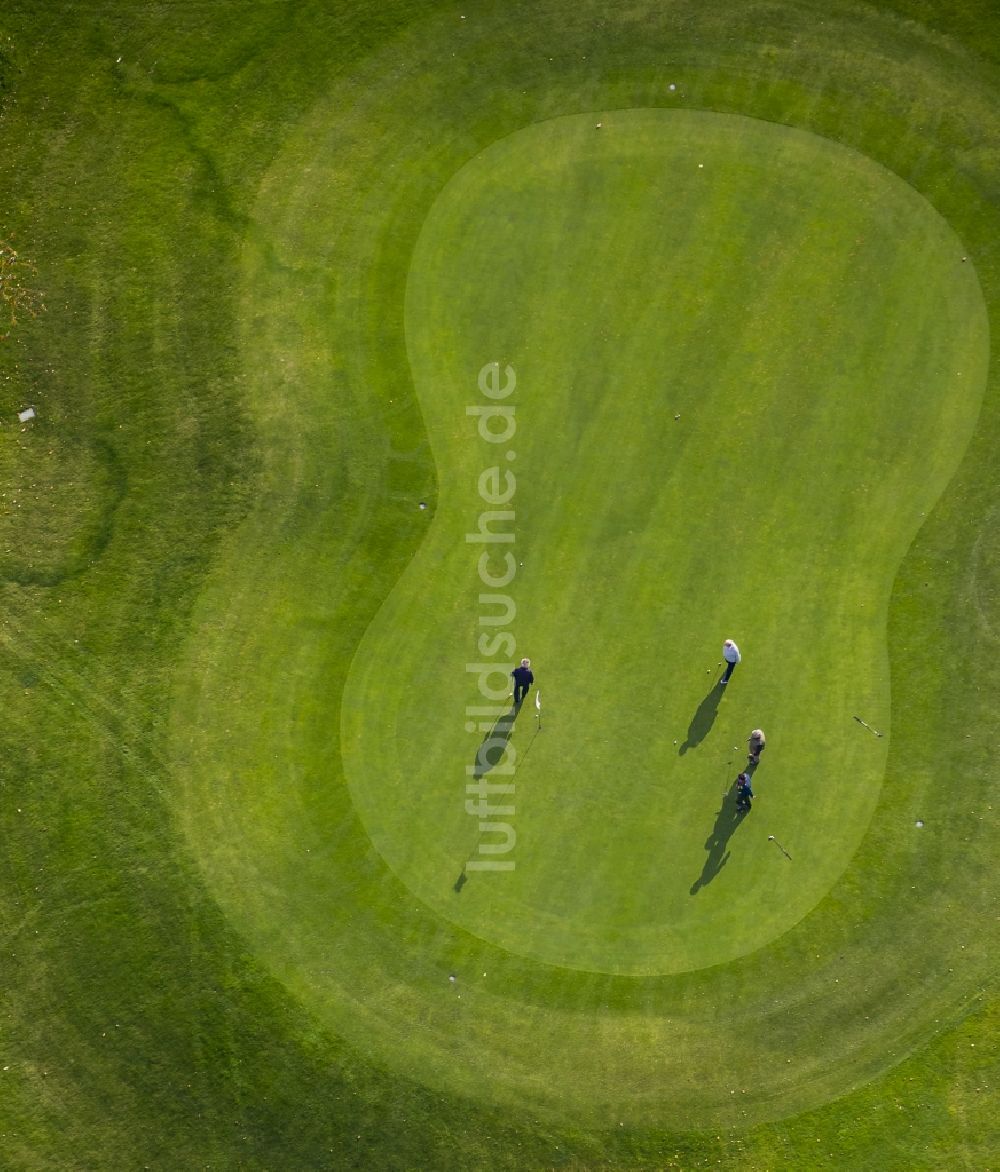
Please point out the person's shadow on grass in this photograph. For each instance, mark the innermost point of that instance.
(717, 843)
(703, 719)
(489, 754)
(494, 745)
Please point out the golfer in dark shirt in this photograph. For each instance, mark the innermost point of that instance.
(523, 679)
(744, 793)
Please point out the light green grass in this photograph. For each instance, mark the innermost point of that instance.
(302, 932)
(776, 506)
(224, 222)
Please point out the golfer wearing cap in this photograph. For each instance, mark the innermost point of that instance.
(731, 654)
(523, 679)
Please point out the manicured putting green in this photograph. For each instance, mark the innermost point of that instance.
(224, 212)
(808, 317)
(259, 720)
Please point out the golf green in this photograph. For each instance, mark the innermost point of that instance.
(284, 883)
(708, 317)
(330, 820)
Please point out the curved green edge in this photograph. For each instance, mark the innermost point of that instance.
(889, 927)
(741, 434)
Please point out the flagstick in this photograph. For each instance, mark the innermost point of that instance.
(771, 838)
(865, 724)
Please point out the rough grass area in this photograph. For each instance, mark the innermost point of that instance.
(276, 242)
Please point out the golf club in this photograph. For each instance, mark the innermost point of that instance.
(538, 711)
(771, 838)
(865, 724)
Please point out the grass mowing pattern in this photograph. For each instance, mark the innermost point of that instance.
(408, 985)
(209, 1081)
(764, 509)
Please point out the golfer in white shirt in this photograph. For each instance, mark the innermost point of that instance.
(731, 654)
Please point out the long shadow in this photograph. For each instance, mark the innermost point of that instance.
(491, 751)
(489, 754)
(703, 719)
(717, 843)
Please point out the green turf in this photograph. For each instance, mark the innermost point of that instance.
(207, 962)
(266, 845)
(777, 506)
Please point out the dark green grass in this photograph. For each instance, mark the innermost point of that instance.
(139, 1027)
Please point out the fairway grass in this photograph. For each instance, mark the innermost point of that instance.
(839, 483)
(278, 243)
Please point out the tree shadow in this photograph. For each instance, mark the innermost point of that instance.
(703, 719)
(726, 821)
(494, 745)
